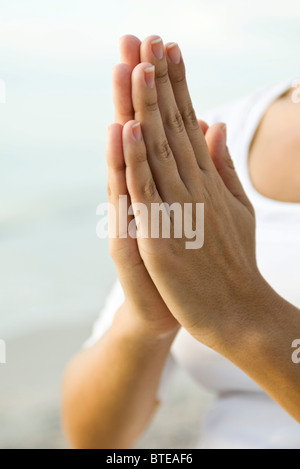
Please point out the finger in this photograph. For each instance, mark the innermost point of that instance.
(159, 153)
(116, 179)
(139, 178)
(124, 250)
(121, 79)
(216, 137)
(177, 74)
(152, 50)
(115, 158)
(116, 187)
(130, 50)
(130, 57)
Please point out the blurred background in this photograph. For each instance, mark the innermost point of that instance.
(56, 58)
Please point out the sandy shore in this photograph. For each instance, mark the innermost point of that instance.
(30, 385)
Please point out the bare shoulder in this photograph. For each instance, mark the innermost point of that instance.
(274, 156)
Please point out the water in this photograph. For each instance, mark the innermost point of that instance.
(56, 62)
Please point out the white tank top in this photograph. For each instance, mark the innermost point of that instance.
(243, 416)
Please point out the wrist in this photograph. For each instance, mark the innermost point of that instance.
(250, 322)
(261, 346)
(130, 323)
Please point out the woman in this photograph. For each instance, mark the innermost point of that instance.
(214, 310)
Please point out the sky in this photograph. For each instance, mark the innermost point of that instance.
(231, 47)
(87, 28)
(51, 48)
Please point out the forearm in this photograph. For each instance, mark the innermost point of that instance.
(110, 390)
(261, 346)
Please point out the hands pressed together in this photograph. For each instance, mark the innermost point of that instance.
(158, 152)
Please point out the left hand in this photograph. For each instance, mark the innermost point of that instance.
(205, 289)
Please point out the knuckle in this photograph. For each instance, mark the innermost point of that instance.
(151, 105)
(162, 76)
(189, 116)
(164, 151)
(149, 190)
(175, 122)
(140, 157)
(179, 78)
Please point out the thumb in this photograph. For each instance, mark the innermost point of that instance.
(216, 138)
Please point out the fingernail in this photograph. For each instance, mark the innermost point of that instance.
(136, 131)
(158, 48)
(150, 76)
(174, 53)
